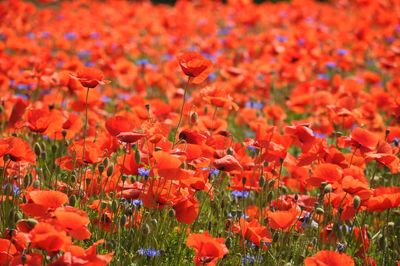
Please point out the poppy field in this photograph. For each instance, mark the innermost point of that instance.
(200, 133)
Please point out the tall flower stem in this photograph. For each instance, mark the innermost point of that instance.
(181, 114)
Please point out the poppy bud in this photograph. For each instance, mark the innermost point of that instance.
(387, 132)
(209, 226)
(43, 155)
(27, 180)
(72, 200)
(319, 211)
(110, 244)
(19, 215)
(100, 167)
(230, 151)
(103, 205)
(244, 180)
(154, 222)
(123, 178)
(122, 220)
(137, 156)
(6, 157)
(23, 259)
(261, 181)
(53, 148)
(158, 148)
(269, 196)
(194, 117)
(37, 149)
(296, 197)
(338, 231)
(146, 229)
(327, 188)
(31, 222)
(36, 184)
(128, 211)
(284, 189)
(271, 184)
(171, 213)
(147, 107)
(114, 205)
(356, 202)
(106, 161)
(64, 133)
(110, 170)
(228, 242)
(222, 204)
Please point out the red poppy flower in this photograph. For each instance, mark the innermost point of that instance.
(47, 237)
(329, 258)
(73, 221)
(38, 120)
(195, 66)
(282, 220)
(18, 150)
(7, 251)
(208, 250)
(76, 255)
(90, 77)
(228, 163)
(167, 165)
(363, 139)
(253, 232)
(186, 207)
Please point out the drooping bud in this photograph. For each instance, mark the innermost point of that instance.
(37, 149)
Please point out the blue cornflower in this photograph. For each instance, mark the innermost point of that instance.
(330, 64)
(15, 189)
(70, 35)
(240, 194)
(142, 62)
(143, 172)
(149, 252)
(137, 202)
(319, 135)
(342, 51)
(214, 171)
